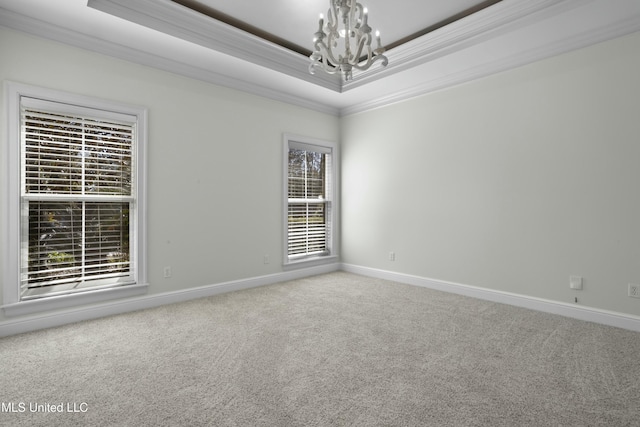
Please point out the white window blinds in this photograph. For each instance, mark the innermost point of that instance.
(309, 200)
(77, 191)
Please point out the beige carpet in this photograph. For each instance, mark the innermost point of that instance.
(331, 350)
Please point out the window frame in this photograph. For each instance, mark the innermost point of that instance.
(331, 254)
(12, 170)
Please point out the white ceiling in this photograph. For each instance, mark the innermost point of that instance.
(166, 35)
(297, 20)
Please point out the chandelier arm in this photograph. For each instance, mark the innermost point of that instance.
(382, 58)
(365, 39)
(322, 64)
(327, 52)
(326, 57)
(332, 32)
(358, 15)
(332, 15)
(352, 22)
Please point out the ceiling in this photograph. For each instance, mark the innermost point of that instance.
(262, 47)
(265, 19)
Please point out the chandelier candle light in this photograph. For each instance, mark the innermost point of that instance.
(353, 41)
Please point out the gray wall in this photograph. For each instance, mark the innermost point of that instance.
(512, 183)
(215, 159)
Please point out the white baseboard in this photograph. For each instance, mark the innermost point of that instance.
(595, 315)
(48, 320)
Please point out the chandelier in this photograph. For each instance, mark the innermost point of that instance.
(341, 48)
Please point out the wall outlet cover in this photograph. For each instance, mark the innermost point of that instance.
(575, 282)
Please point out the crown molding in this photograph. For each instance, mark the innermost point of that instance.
(485, 24)
(180, 21)
(435, 54)
(610, 30)
(172, 18)
(56, 33)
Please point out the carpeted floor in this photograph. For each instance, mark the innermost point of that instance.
(330, 350)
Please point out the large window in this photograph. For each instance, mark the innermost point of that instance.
(78, 201)
(310, 208)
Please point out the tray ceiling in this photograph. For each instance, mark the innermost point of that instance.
(291, 24)
(430, 44)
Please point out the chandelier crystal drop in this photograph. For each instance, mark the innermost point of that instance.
(344, 41)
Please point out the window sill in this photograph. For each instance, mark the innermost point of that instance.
(73, 300)
(310, 262)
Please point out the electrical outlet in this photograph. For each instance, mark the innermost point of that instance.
(634, 290)
(392, 256)
(575, 282)
(265, 259)
(167, 272)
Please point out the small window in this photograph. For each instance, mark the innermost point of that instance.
(79, 197)
(310, 208)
